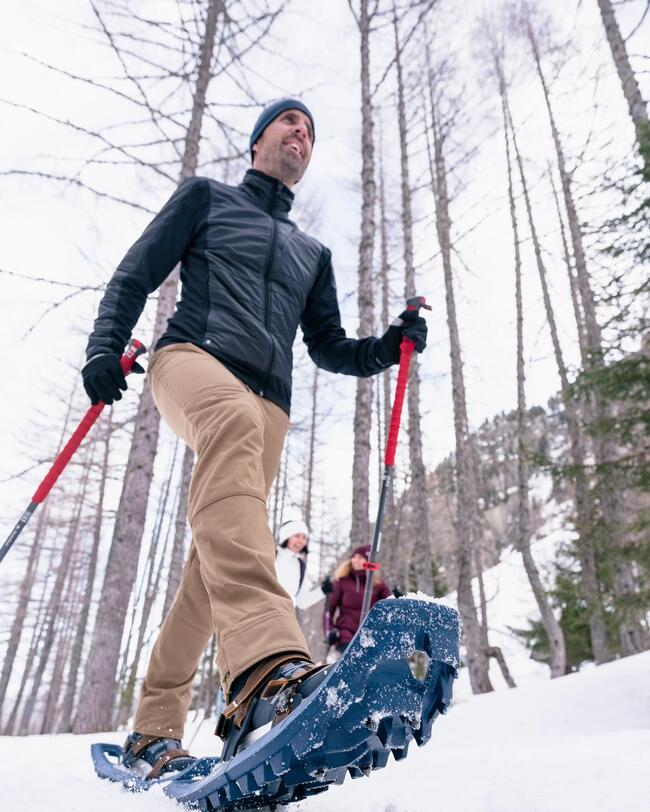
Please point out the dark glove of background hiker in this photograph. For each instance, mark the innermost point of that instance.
(333, 637)
(103, 378)
(327, 586)
(408, 324)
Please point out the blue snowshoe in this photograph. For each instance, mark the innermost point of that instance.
(393, 680)
(143, 761)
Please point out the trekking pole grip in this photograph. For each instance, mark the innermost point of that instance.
(406, 351)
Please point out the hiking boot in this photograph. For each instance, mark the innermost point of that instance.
(153, 756)
(263, 696)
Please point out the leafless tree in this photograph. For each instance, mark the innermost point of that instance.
(583, 502)
(466, 523)
(360, 527)
(551, 624)
(636, 105)
(418, 486)
(609, 490)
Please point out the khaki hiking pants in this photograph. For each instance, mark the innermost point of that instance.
(228, 586)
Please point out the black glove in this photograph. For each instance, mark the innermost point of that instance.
(103, 378)
(409, 324)
(397, 593)
(333, 637)
(327, 586)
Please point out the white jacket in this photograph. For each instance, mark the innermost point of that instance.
(287, 567)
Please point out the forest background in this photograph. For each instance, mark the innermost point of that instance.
(102, 116)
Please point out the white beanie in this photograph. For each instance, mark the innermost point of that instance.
(290, 528)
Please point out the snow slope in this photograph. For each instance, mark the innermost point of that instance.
(578, 743)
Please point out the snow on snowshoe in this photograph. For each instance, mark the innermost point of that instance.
(375, 700)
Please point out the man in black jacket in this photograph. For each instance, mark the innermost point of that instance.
(221, 378)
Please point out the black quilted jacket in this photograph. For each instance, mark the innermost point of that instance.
(249, 278)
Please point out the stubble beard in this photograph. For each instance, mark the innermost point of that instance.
(291, 167)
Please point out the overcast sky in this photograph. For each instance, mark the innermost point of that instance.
(67, 235)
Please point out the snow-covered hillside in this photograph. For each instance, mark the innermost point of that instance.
(578, 743)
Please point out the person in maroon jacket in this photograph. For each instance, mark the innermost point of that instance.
(346, 598)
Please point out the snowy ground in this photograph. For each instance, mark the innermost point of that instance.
(574, 744)
(578, 743)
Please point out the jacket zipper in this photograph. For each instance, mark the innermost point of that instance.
(267, 288)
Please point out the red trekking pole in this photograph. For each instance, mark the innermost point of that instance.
(406, 351)
(134, 349)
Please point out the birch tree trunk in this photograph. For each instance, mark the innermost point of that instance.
(554, 633)
(417, 490)
(360, 528)
(97, 695)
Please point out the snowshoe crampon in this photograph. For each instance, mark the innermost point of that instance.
(392, 682)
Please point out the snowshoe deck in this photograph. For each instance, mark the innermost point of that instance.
(379, 697)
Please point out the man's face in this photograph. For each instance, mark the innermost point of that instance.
(357, 561)
(284, 148)
(297, 542)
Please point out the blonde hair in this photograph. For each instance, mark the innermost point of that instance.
(343, 571)
(346, 569)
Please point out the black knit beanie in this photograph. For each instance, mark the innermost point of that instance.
(273, 111)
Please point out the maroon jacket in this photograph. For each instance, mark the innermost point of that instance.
(347, 597)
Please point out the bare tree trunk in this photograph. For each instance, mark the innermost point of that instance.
(82, 623)
(66, 623)
(391, 555)
(477, 660)
(417, 490)
(578, 312)
(152, 574)
(360, 528)
(635, 103)
(583, 502)
(98, 690)
(29, 578)
(554, 633)
(55, 602)
(38, 632)
(611, 497)
(178, 547)
(24, 597)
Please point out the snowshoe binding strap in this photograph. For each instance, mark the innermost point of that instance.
(164, 760)
(141, 747)
(236, 711)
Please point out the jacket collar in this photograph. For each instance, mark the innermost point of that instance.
(269, 193)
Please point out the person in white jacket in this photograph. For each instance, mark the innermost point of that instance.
(291, 564)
